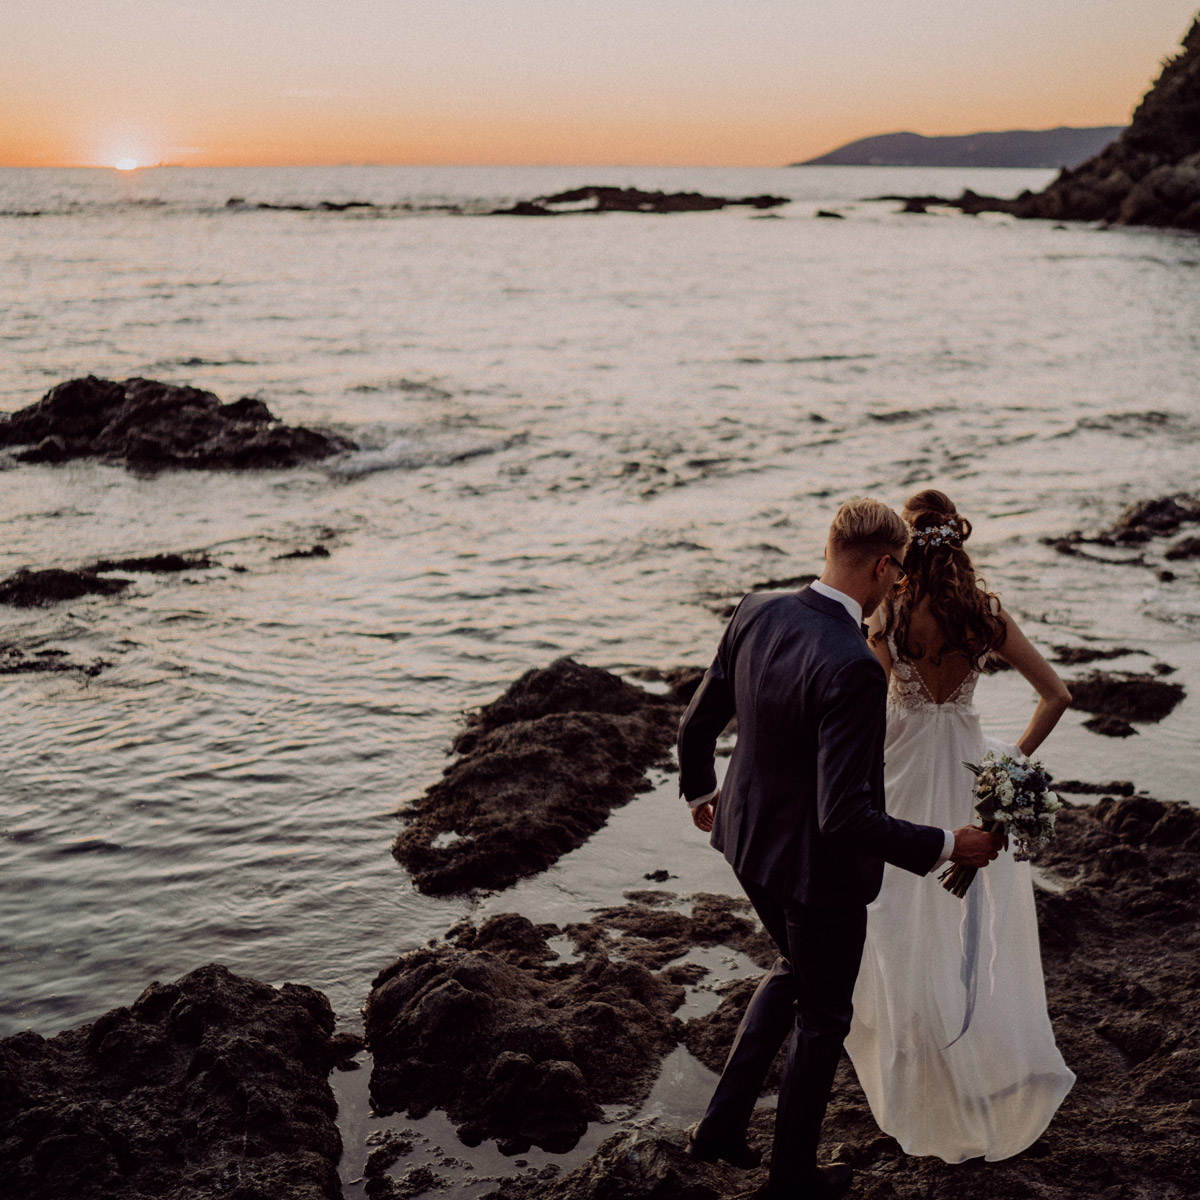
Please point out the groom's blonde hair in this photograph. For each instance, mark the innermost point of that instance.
(863, 527)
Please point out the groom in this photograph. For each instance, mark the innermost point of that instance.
(800, 817)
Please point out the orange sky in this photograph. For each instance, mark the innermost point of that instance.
(754, 82)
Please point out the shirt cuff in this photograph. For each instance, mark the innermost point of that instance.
(947, 849)
(703, 799)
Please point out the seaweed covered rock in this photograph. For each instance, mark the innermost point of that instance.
(540, 769)
(150, 426)
(212, 1085)
(512, 1044)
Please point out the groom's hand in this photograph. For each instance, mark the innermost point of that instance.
(702, 815)
(975, 847)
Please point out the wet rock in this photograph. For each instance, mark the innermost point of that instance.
(1079, 655)
(16, 661)
(1077, 787)
(157, 564)
(632, 1165)
(512, 1044)
(34, 589)
(1109, 726)
(1148, 519)
(150, 426)
(1130, 697)
(1186, 548)
(539, 770)
(212, 1085)
(595, 199)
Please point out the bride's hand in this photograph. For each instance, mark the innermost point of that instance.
(975, 847)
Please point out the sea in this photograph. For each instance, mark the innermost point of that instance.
(583, 435)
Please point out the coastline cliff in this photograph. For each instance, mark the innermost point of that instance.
(1151, 174)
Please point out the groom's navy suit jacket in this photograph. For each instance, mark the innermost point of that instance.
(801, 810)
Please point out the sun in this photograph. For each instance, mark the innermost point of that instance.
(126, 164)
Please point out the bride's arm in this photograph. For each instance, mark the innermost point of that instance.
(1053, 697)
(878, 642)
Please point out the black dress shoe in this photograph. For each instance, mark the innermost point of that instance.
(736, 1154)
(829, 1183)
(835, 1181)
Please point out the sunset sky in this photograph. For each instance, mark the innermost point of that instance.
(739, 82)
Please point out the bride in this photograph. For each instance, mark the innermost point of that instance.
(951, 1040)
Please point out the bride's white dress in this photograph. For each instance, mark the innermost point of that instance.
(951, 1040)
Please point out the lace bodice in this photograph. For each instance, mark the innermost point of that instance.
(907, 691)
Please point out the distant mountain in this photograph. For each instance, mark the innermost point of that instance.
(1061, 147)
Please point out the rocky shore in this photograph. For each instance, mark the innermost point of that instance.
(525, 1034)
(150, 426)
(1119, 945)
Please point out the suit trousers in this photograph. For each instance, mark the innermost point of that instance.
(808, 994)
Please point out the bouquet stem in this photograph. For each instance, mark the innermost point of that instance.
(955, 878)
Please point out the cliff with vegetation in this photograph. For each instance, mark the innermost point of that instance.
(1151, 174)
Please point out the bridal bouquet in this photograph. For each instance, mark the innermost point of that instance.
(1013, 798)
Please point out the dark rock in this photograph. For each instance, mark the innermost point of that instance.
(155, 563)
(317, 551)
(30, 589)
(1118, 787)
(615, 199)
(915, 204)
(148, 425)
(829, 214)
(511, 1044)
(208, 1086)
(1074, 656)
(1187, 548)
(632, 1165)
(1131, 697)
(1148, 519)
(539, 770)
(1109, 726)
(15, 661)
(33, 589)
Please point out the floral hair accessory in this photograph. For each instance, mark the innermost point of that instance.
(948, 532)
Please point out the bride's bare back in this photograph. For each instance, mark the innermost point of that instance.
(943, 679)
(942, 674)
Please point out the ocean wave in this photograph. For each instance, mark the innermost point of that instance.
(408, 453)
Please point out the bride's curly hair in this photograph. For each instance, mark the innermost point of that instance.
(939, 568)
